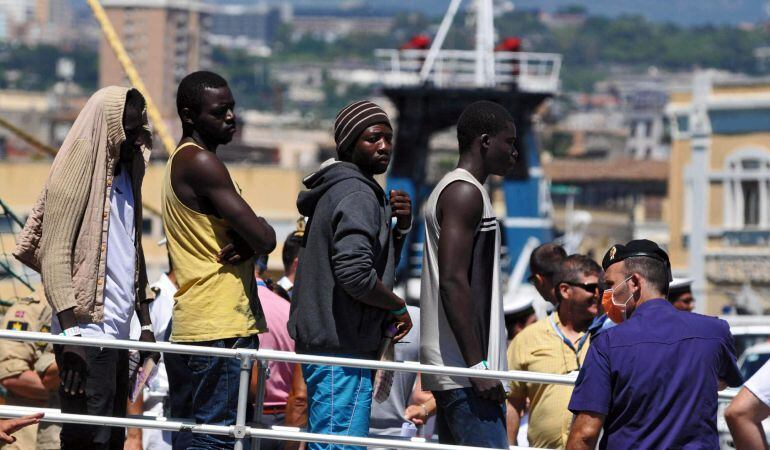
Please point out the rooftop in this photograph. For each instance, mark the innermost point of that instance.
(580, 170)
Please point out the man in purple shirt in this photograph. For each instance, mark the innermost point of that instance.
(652, 381)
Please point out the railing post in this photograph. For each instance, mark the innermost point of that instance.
(259, 402)
(240, 429)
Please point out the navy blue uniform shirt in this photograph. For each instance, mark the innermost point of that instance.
(655, 378)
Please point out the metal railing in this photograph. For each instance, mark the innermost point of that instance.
(529, 72)
(242, 431)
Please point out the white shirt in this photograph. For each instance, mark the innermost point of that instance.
(759, 384)
(119, 292)
(160, 314)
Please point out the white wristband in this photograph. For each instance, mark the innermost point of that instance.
(72, 331)
(480, 366)
(146, 328)
(404, 232)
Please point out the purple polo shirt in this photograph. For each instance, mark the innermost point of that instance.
(655, 379)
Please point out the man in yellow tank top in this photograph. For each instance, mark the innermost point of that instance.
(213, 236)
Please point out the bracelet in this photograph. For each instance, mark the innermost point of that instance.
(71, 331)
(480, 366)
(146, 328)
(399, 311)
(425, 409)
(401, 232)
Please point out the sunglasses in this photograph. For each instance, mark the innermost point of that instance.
(589, 287)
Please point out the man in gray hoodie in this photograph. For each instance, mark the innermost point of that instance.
(343, 300)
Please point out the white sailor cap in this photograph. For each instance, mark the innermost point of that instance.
(519, 301)
(679, 285)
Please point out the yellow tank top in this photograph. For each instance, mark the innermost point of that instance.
(214, 300)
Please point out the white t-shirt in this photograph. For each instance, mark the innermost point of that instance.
(160, 314)
(119, 274)
(759, 384)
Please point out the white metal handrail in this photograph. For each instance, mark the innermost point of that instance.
(275, 355)
(241, 430)
(529, 72)
(282, 433)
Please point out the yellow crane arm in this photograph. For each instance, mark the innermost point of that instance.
(131, 72)
(28, 138)
(31, 140)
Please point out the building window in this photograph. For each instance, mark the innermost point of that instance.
(747, 190)
(683, 124)
(750, 191)
(147, 226)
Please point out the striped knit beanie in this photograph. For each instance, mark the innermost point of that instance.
(353, 120)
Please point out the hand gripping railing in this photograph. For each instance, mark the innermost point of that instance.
(240, 430)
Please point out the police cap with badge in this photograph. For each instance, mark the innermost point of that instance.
(637, 248)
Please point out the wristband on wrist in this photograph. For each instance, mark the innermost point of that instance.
(146, 328)
(480, 366)
(71, 331)
(401, 232)
(399, 311)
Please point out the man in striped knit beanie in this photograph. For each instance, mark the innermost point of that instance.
(343, 300)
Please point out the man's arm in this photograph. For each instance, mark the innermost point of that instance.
(515, 412)
(18, 369)
(729, 373)
(421, 406)
(401, 209)
(744, 417)
(460, 209)
(10, 426)
(357, 219)
(209, 179)
(296, 405)
(26, 384)
(134, 435)
(143, 314)
(66, 199)
(585, 431)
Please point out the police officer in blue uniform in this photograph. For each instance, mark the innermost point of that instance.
(651, 382)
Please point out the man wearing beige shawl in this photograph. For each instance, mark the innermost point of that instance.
(84, 237)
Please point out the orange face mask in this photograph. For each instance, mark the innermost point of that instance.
(616, 310)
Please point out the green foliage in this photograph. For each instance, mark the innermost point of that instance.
(635, 43)
(34, 68)
(557, 143)
(589, 51)
(248, 77)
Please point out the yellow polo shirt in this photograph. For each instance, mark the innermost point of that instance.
(538, 348)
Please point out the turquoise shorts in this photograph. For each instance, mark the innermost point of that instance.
(339, 402)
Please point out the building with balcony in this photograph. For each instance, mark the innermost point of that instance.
(719, 190)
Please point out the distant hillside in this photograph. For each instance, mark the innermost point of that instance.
(682, 12)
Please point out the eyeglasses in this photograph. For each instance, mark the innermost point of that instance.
(589, 287)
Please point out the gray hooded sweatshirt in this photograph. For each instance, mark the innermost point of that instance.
(348, 246)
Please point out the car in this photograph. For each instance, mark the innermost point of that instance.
(748, 331)
(749, 362)
(754, 358)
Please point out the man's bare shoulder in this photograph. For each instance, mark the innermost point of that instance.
(461, 201)
(196, 166)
